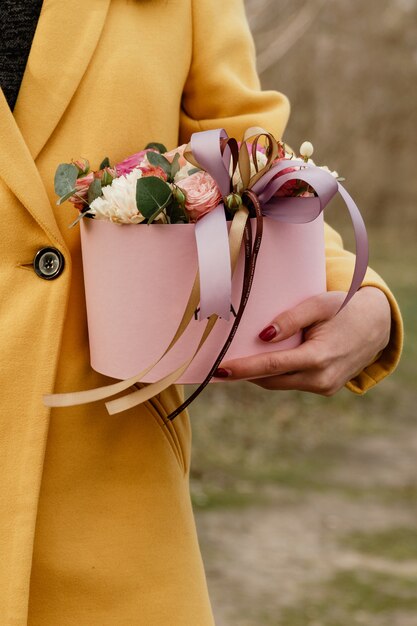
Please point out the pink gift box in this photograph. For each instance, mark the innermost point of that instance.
(138, 280)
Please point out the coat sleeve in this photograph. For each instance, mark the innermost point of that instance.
(339, 269)
(223, 90)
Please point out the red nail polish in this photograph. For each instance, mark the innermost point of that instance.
(268, 333)
(222, 373)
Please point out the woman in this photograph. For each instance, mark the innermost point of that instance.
(96, 525)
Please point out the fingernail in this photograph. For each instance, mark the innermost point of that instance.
(268, 333)
(221, 372)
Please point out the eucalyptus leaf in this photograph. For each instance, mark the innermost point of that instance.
(156, 146)
(175, 165)
(79, 218)
(105, 163)
(94, 190)
(158, 160)
(65, 178)
(155, 215)
(67, 195)
(152, 194)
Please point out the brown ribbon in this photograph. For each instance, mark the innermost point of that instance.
(240, 230)
(251, 256)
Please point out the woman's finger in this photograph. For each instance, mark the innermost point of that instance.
(284, 382)
(316, 309)
(269, 363)
(321, 383)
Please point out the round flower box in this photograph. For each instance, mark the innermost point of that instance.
(138, 280)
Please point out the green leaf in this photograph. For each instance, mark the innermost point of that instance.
(175, 165)
(105, 163)
(65, 179)
(156, 146)
(176, 212)
(152, 195)
(67, 195)
(79, 218)
(158, 160)
(193, 170)
(94, 190)
(155, 215)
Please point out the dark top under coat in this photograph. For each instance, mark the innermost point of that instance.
(18, 21)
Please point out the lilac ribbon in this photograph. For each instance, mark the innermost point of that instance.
(214, 264)
(211, 230)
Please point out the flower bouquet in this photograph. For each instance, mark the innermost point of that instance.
(165, 302)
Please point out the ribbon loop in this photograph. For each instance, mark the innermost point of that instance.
(216, 153)
(206, 150)
(214, 264)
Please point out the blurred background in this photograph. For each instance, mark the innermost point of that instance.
(307, 506)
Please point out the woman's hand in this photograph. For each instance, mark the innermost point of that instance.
(335, 348)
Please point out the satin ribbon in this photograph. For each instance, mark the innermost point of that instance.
(205, 151)
(220, 156)
(214, 261)
(237, 229)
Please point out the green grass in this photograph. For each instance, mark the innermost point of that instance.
(349, 597)
(206, 499)
(296, 440)
(398, 544)
(314, 474)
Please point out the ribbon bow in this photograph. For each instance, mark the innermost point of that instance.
(220, 156)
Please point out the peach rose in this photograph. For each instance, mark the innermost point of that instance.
(180, 150)
(202, 194)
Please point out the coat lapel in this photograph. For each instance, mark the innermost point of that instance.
(65, 39)
(19, 172)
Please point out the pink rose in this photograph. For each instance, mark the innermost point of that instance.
(202, 194)
(293, 188)
(290, 187)
(180, 150)
(129, 164)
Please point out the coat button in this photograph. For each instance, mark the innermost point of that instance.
(48, 263)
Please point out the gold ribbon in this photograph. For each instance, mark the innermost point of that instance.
(240, 159)
(141, 395)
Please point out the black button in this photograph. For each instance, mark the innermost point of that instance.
(48, 263)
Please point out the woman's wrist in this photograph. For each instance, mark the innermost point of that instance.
(380, 312)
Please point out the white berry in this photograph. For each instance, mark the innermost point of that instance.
(306, 149)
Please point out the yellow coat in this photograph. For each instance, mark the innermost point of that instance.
(96, 526)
